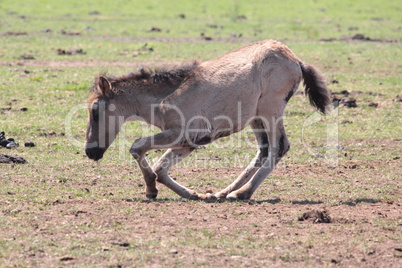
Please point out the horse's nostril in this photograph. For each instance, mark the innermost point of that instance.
(95, 153)
(88, 152)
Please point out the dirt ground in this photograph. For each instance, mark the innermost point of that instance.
(277, 233)
(273, 231)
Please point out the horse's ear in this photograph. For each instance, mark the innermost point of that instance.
(104, 87)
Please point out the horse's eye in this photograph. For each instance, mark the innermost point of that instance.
(95, 111)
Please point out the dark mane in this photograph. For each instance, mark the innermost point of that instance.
(149, 76)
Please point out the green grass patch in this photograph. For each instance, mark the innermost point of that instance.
(61, 208)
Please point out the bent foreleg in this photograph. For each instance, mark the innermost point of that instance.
(162, 166)
(163, 140)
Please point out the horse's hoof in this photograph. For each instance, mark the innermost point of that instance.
(207, 197)
(232, 199)
(194, 197)
(232, 196)
(220, 195)
(151, 192)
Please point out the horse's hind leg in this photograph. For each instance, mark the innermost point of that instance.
(279, 145)
(262, 154)
(162, 166)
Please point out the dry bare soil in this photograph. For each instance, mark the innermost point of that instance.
(278, 231)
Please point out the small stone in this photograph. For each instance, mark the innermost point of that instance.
(173, 251)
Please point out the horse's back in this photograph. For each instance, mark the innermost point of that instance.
(240, 76)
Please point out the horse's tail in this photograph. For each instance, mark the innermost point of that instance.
(315, 87)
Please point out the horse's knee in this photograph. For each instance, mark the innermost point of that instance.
(136, 150)
(161, 169)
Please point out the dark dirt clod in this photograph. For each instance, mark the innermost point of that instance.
(348, 102)
(235, 35)
(66, 258)
(357, 37)
(7, 143)
(241, 17)
(398, 99)
(70, 52)
(343, 92)
(155, 29)
(70, 32)
(10, 159)
(121, 244)
(373, 104)
(26, 57)
(14, 33)
(316, 216)
(29, 144)
(12, 144)
(353, 28)
(4, 142)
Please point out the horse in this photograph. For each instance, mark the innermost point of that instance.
(197, 103)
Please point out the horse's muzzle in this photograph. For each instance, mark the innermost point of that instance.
(95, 153)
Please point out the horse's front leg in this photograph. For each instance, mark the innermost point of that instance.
(161, 140)
(162, 166)
(149, 176)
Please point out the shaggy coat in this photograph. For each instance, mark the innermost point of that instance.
(198, 103)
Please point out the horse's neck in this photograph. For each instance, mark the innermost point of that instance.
(143, 105)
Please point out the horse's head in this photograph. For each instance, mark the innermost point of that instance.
(104, 120)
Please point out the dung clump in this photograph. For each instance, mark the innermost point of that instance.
(316, 216)
(11, 159)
